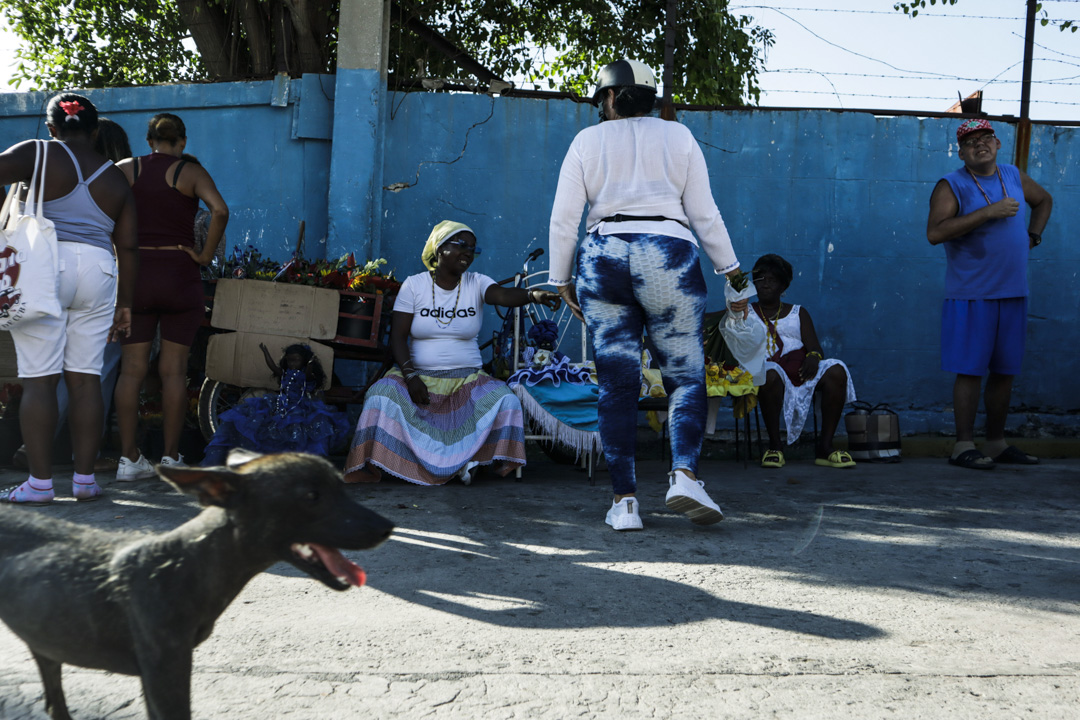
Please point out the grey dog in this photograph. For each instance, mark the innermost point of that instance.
(139, 604)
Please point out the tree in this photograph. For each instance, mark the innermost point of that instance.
(552, 43)
(73, 43)
(912, 8)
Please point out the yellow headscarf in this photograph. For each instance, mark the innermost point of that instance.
(440, 234)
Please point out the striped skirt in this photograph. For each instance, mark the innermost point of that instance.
(472, 417)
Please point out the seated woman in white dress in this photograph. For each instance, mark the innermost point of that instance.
(795, 368)
(438, 415)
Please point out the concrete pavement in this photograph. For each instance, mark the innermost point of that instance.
(907, 590)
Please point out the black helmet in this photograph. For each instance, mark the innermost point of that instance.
(625, 73)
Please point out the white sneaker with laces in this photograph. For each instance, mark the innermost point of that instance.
(624, 515)
(178, 462)
(688, 496)
(127, 471)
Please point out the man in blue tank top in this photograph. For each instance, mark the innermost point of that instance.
(975, 214)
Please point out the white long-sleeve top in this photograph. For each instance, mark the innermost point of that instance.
(641, 166)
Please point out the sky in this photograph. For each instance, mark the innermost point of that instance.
(864, 54)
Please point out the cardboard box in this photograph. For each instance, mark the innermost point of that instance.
(258, 306)
(236, 358)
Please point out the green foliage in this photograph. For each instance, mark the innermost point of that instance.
(560, 45)
(912, 9)
(552, 44)
(75, 43)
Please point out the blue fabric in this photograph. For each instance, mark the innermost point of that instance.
(981, 335)
(628, 283)
(560, 370)
(990, 262)
(289, 421)
(572, 405)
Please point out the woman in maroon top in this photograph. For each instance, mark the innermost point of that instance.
(168, 294)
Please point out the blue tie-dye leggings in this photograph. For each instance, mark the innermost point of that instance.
(626, 283)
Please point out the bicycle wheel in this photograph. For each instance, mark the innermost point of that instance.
(217, 397)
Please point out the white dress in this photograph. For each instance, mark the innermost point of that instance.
(797, 400)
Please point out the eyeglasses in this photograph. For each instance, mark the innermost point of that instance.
(462, 244)
(981, 140)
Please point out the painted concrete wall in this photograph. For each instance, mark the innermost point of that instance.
(843, 196)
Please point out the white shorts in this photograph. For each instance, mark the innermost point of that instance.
(75, 341)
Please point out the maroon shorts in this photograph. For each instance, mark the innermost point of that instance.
(169, 293)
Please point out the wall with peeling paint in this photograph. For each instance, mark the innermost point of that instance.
(843, 196)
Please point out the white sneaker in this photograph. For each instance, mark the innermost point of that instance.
(688, 496)
(468, 472)
(178, 462)
(623, 515)
(128, 471)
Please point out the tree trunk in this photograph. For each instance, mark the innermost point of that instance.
(209, 29)
(258, 38)
(310, 52)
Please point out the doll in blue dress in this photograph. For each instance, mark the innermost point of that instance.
(292, 420)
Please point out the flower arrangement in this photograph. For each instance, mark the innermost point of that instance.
(344, 273)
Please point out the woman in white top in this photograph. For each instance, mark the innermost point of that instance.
(438, 414)
(93, 211)
(647, 188)
(795, 369)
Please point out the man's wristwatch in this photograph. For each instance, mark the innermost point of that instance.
(1036, 238)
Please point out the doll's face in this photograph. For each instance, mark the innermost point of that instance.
(294, 361)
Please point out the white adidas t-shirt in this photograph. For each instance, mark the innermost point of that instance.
(443, 334)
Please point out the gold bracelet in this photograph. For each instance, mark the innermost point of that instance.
(815, 353)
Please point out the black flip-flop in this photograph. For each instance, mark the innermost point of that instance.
(1013, 455)
(970, 459)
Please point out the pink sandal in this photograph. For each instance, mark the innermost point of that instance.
(27, 494)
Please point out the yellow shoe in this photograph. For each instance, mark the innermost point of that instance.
(772, 459)
(836, 459)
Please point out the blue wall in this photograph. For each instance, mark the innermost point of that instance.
(843, 196)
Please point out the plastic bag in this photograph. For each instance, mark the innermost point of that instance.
(745, 336)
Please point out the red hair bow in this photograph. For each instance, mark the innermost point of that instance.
(72, 108)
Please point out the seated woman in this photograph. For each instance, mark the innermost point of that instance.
(438, 415)
(795, 368)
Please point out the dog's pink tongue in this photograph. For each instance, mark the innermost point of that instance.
(339, 566)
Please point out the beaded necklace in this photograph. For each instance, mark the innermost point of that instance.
(772, 335)
(457, 299)
(288, 385)
(1004, 192)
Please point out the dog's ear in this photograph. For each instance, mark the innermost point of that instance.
(212, 485)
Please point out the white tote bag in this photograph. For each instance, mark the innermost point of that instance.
(29, 264)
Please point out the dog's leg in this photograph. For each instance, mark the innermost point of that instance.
(55, 705)
(166, 682)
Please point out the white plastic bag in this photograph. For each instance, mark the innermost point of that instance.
(28, 254)
(745, 336)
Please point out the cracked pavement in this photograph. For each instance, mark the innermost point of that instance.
(908, 590)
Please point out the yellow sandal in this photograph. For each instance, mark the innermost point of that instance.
(772, 459)
(836, 459)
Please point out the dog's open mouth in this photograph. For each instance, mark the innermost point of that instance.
(328, 565)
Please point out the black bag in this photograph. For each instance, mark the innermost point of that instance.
(873, 432)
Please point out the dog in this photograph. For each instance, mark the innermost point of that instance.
(139, 604)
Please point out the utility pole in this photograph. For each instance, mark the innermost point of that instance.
(1023, 127)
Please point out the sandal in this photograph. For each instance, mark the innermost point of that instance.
(973, 460)
(1013, 455)
(27, 494)
(772, 459)
(836, 459)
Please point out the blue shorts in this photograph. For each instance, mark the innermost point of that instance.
(981, 335)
